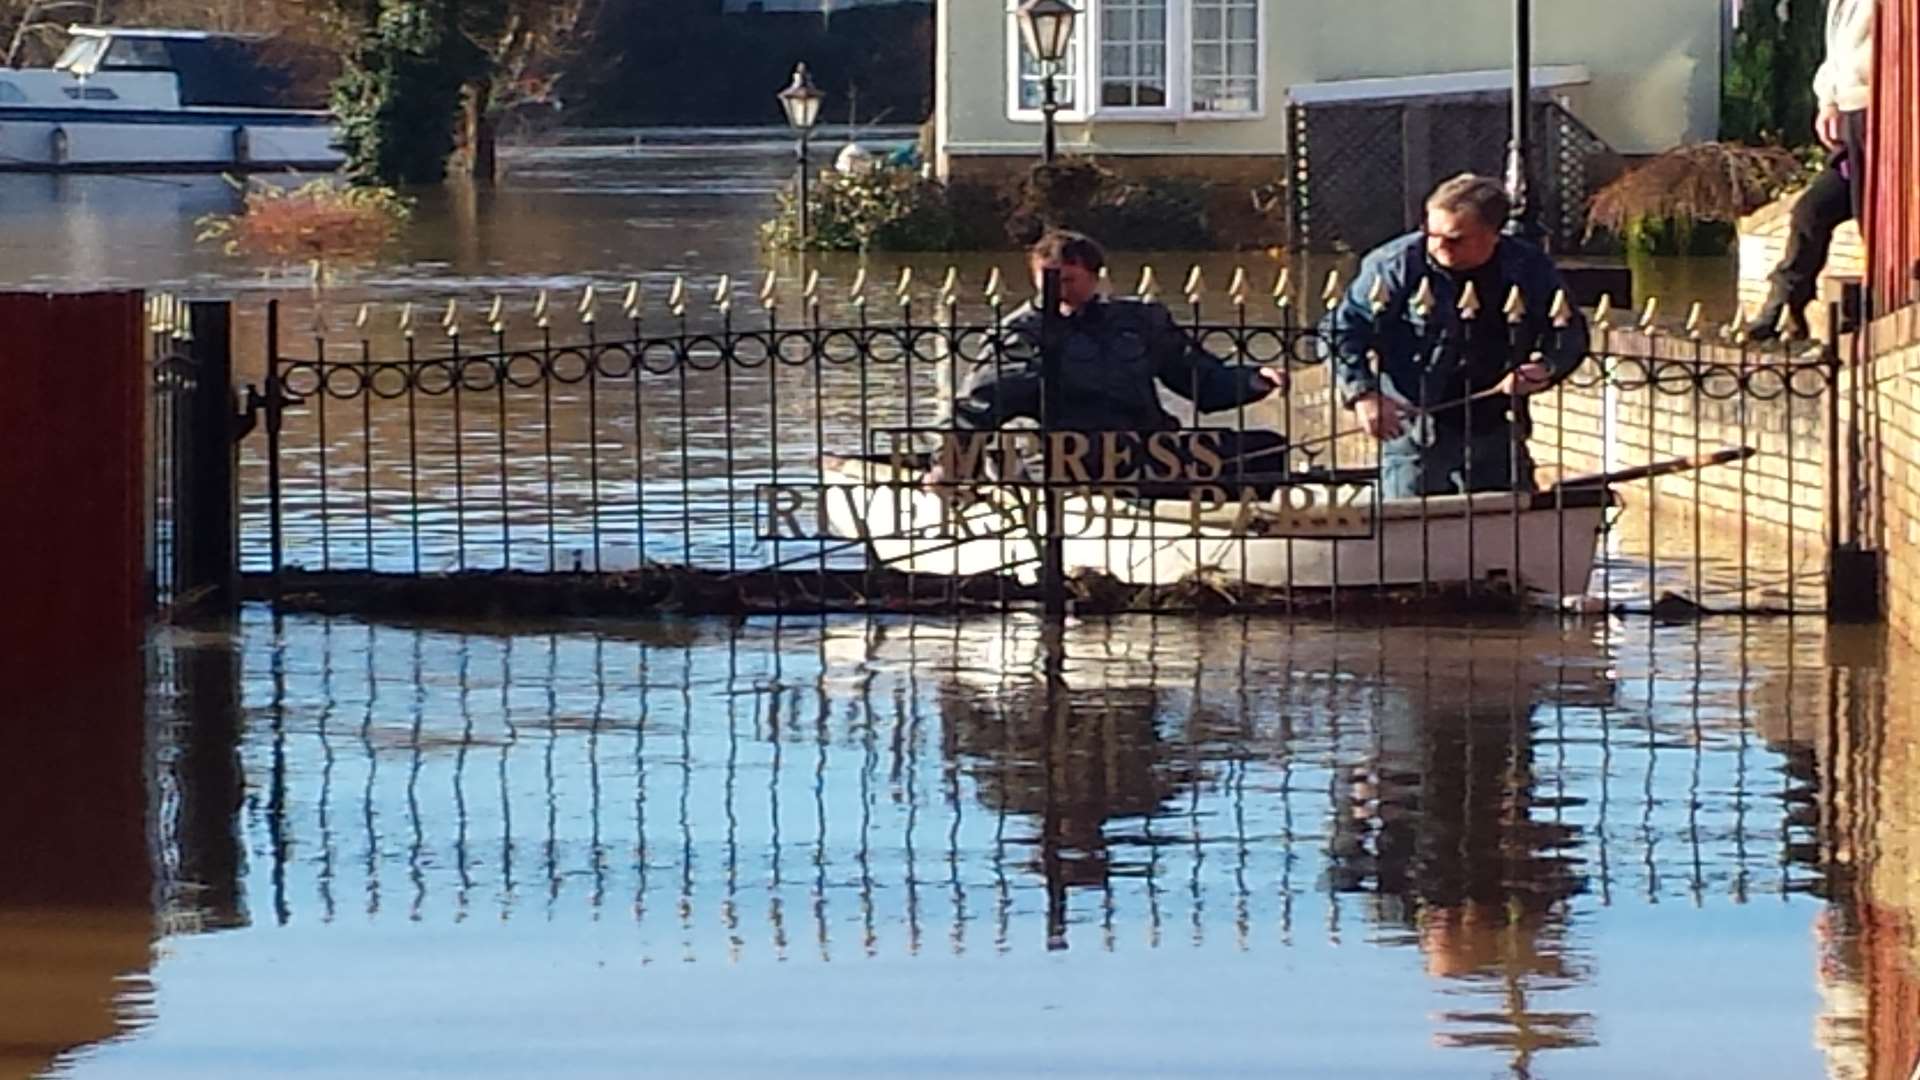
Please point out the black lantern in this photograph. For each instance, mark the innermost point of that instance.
(801, 101)
(1047, 28)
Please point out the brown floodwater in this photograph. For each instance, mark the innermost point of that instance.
(901, 847)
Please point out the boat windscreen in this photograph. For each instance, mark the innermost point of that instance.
(82, 55)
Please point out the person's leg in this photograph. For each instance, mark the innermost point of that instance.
(1500, 462)
(1855, 129)
(1827, 203)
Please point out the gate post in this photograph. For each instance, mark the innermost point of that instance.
(1854, 575)
(206, 562)
(1053, 583)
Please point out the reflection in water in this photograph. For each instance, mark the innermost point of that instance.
(1480, 841)
(76, 909)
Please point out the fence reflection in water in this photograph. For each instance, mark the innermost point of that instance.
(915, 786)
(652, 440)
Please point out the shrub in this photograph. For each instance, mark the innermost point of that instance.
(321, 224)
(1666, 204)
(890, 209)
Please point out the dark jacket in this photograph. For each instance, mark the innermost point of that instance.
(1434, 359)
(1114, 353)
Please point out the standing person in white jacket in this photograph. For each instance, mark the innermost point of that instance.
(1844, 86)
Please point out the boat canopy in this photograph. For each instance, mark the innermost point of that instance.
(214, 69)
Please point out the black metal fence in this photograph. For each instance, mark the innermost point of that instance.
(774, 461)
(193, 424)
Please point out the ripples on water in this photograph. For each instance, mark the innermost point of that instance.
(1144, 846)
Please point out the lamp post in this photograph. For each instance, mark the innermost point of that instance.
(1047, 28)
(801, 101)
(1520, 218)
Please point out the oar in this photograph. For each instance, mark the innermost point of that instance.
(1659, 468)
(1405, 407)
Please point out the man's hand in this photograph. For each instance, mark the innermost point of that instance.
(1381, 416)
(1528, 378)
(1276, 377)
(1828, 125)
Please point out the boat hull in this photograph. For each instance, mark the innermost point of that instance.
(163, 142)
(1541, 543)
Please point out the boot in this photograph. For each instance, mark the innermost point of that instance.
(1779, 320)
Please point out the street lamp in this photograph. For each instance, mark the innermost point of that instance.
(1047, 28)
(1520, 221)
(801, 100)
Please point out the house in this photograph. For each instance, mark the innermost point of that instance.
(1206, 88)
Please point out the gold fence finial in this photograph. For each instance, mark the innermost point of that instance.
(1377, 297)
(1603, 312)
(951, 282)
(1422, 303)
(588, 299)
(630, 300)
(1237, 286)
(1649, 317)
(1194, 283)
(1330, 294)
(992, 288)
(1695, 316)
(1736, 330)
(677, 296)
(450, 321)
(904, 290)
(406, 319)
(769, 286)
(1516, 307)
(497, 315)
(1470, 301)
(812, 289)
(723, 292)
(1283, 288)
(1560, 314)
(1149, 286)
(360, 318)
(857, 291)
(540, 317)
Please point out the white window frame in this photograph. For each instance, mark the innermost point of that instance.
(1086, 48)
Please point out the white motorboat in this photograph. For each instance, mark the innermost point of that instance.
(156, 100)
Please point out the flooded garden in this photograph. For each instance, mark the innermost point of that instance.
(1595, 844)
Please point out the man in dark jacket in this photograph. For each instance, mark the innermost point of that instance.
(1115, 355)
(1448, 400)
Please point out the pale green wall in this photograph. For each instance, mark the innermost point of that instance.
(1655, 67)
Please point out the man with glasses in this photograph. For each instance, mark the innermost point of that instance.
(1444, 390)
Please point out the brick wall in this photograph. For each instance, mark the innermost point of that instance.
(1743, 402)
(1894, 451)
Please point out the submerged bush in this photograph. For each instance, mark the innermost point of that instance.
(321, 224)
(887, 209)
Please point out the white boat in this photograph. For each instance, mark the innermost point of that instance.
(1302, 536)
(153, 100)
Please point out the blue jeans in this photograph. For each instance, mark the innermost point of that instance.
(1493, 460)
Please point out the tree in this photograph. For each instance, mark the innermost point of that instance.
(1767, 95)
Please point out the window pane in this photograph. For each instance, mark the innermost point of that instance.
(1206, 23)
(1241, 60)
(1207, 60)
(1116, 62)
(1153, 61)
(1243, 23)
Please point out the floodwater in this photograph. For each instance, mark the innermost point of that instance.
(547, 465)
(912, 847)
(903, 847)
